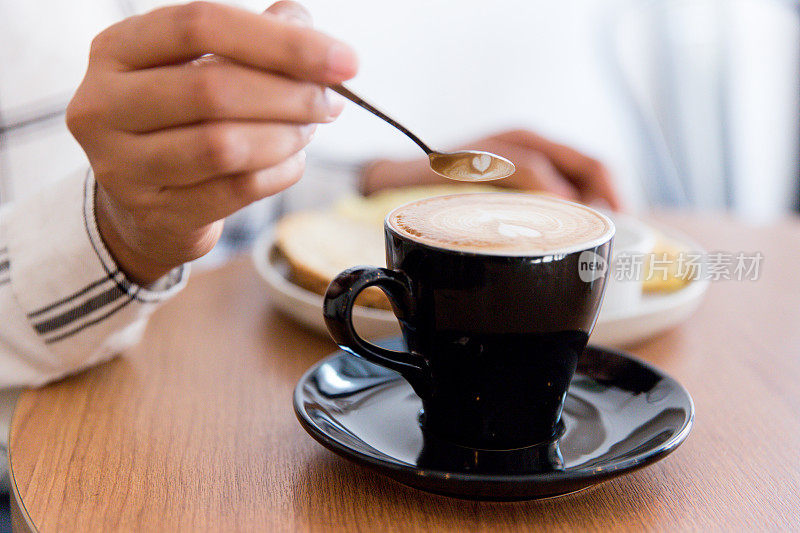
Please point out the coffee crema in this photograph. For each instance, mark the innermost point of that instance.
(501, 223)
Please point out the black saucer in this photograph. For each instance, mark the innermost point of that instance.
(620, 414)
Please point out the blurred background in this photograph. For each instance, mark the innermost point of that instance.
(692, 104)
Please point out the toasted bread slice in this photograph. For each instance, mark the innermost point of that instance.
(318, 245)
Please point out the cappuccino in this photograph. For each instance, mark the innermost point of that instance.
(490, 292)
(501, 224)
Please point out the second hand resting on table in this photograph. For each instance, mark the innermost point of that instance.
(179, 139)
(542, 165)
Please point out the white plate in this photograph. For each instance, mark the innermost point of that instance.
(654, 314)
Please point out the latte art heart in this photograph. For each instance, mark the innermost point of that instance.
(481, 163)
(512, 230)
(500, 223)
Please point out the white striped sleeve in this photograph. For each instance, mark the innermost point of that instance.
(64, 304)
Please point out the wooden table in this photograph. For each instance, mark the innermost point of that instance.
(194, 429)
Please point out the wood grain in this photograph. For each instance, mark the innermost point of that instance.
(194, 429)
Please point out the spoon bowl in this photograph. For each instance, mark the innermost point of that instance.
(471, 165)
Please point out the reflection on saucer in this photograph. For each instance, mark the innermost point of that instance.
(620, 414)
(539, 458)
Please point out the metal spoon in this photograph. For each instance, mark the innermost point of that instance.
(464, 165)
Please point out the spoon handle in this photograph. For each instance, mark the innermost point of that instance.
(353, 97)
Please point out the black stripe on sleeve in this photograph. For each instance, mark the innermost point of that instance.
(4, 265)
(76, 313)
(74, 295)
(80, 328)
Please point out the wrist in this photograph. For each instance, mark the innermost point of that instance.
(136, 266)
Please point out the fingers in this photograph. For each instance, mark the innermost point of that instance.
(154, 99)
(589, 175)
(535, 172)
(215, 199)
(182, 33)
(190, 113)
(188, 155)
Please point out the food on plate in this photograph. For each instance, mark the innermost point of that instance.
(667, 268)
(317, 245)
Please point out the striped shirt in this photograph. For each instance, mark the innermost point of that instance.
(64, 303)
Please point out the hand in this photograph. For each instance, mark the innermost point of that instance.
(542, 165)
(179, 139)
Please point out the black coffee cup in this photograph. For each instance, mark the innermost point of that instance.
(493, 340)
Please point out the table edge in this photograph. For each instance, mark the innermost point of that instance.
(20, 518)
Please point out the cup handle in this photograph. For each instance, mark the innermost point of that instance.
(338, 312)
